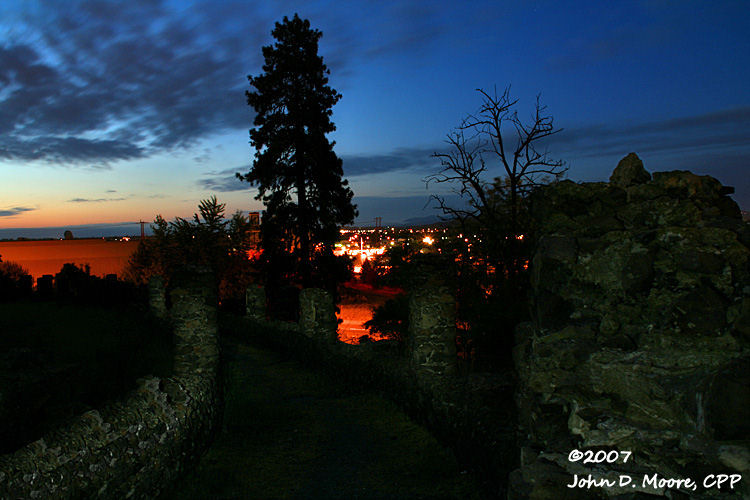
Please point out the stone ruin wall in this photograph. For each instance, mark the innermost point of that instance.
(640, 334)
(136, 447)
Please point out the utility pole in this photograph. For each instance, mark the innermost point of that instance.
(378, 220)
(143, 234)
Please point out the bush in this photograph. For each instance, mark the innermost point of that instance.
(15, 281)
(391, 320)
(209, 240)
(76, 284)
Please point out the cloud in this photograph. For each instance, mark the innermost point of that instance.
(68, 149)
(714, 143)
(103, 82)
(93, 200)
(723, 131)
(416, 159)
(398, 210)
(225, 180)
(99, 83)
(12, 212)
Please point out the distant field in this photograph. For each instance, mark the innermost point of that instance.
(48, 257)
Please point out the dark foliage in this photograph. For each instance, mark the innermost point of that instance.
(15, 281)
(298, 175)
(76, 284)
(391, 319)
(208, 239)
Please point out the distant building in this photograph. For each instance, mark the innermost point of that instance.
(254, 219)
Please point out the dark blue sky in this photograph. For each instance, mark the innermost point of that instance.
(117, 111)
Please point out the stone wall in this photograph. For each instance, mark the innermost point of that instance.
(640, 335)
(135, 447)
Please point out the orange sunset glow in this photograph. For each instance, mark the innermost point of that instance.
(47, 257)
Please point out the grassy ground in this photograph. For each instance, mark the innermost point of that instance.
(58, 360)
(290, 432)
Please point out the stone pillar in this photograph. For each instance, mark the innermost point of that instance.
(194, 303)
(317, 314)
(432, 329)
(45, 286)
(157, 297)
(255, 302)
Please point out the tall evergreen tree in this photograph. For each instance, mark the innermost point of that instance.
(293, 156)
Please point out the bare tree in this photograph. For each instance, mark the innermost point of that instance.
(483, 139)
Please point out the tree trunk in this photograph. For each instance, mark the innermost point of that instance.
(304, 229)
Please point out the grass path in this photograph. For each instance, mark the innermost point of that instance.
(291, 432)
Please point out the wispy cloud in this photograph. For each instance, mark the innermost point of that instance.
(103, 82)
(397, 210)
(99, 82)
(414, 159)
(225, 180)
(722, 130)
(12, 212)
(93, 200)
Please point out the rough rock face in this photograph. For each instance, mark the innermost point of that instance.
(640, 335)
(629, 171)
(255, 302)
(432, 329)
(157, 297)
(317, 313)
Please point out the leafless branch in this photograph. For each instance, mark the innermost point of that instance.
(525, 166)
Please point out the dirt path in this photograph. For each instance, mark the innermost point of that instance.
(294, 433)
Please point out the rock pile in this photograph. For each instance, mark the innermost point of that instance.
(640, 335)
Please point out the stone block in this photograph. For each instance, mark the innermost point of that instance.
(432, 329)
(255, 302)
(157, 297)
(629, 172)
(317, 314)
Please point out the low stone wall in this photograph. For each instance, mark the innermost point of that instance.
(135, 447)
(640, 337)
(474, 414)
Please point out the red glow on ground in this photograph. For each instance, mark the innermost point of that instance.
(353, 316)
(355, 312)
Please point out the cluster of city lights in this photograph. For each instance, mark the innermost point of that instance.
(363, 244)
(362, 253)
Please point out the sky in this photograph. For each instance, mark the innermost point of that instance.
(114, 112)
